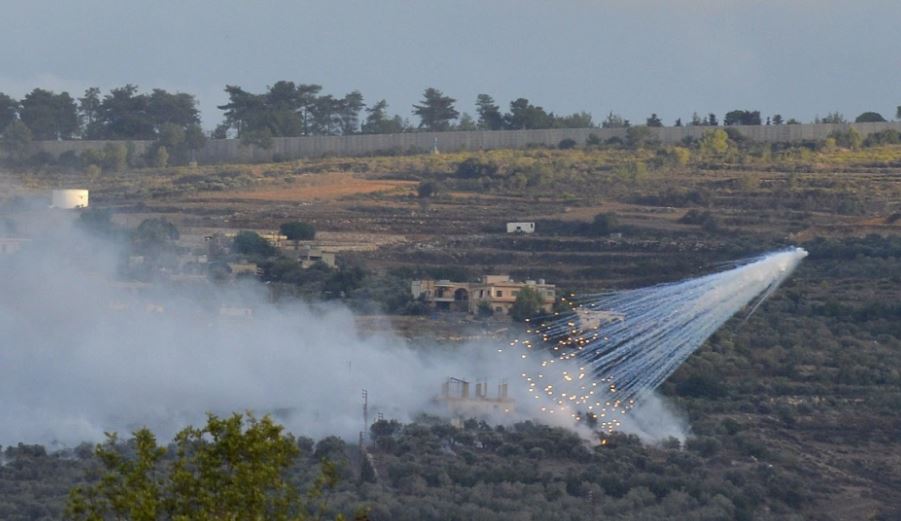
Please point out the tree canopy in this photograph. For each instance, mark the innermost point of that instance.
(231, 468)
(436, 111)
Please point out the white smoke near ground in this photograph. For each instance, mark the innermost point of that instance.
(81, 354)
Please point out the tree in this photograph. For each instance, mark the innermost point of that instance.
(898, 112)
(427, 189)
(833, 118)
(298, 231)
(574, 120)
(89, 112)
(9, 110)
(349, 109)
(490, 117)
(251, 243)
(49, 116)
(436, 110)
(467, 123)
(115, 157)
(777, 119)
(528, 304)
(637, 137)
(154, 235)
(870, 117)
(161, 157)
(654, 121)
(232, 468)
(124, 115)
(715, 144)
(524, 115)
(378, 122)
(614, 121)
(742, 117)
(194, 138)
(604, 224)
(165, 108)
(15, 140)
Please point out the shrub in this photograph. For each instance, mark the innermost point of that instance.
(567, 144)
(298, 231)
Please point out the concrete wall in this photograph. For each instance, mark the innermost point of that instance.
(232, 151)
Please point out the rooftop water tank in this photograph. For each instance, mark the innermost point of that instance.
(69, 199)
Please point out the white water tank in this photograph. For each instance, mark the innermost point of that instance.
(69, 199)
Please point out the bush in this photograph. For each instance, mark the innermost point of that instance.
(428, 189)
(604, 224)
(566, 144)
(298, 231)
(251, 243)
(473, 168)
(528, 304)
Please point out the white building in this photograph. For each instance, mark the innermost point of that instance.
(521, 227)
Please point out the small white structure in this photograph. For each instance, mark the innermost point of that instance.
(69, 199)
(523, 227)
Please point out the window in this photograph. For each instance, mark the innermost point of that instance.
(499, 293)
(515, 293)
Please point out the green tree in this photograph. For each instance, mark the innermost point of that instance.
(436, 110)
(833, 118)
(233, 468)
(654, 121)
(715, 144)
(298, 231)
(172, 108)
(161, 157)
(89, 112)
(574, 120)
(9, 110)
(154, 235)
(490, 116)
(49, 116)
(251, 243)
(898, 112)
(640, 136)
(428, 189)
(614, 121)
(524, 115)
(115, 157)
(467, 123)
(378, 122)
(777, 119)
(742, 117)
(124, 114)
(604, 224)
(528, 304)
(869, 117)
(15, 140)
(349, 109)
(195, 139)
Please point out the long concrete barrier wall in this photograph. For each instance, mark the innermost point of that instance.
(233, 151)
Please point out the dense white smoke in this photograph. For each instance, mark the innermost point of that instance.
(81, 355)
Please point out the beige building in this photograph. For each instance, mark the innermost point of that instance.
(308, 256)
(498, 291)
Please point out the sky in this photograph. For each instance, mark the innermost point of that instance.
(798, 58)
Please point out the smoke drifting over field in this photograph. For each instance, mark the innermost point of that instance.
(81, 355)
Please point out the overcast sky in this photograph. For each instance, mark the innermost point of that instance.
(800, 58)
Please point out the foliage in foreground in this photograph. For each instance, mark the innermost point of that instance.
(232, 468)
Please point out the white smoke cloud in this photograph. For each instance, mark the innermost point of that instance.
(81, 355)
